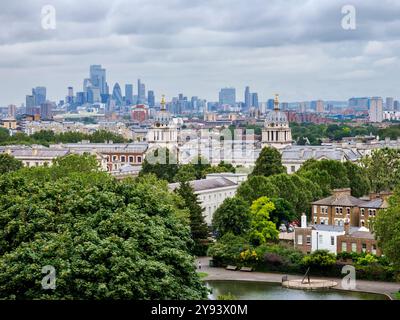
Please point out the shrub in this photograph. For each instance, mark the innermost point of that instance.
(319, 259)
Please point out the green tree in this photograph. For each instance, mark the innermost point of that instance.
(9, 163)
(359, 182)
(256, 187)
(387, 229)
(383, 169)
(319, 259)
(232, 216)
(162, 162)
(268, 163)
(186, 172)
(283, 212)
(262, 228)
(198, 227)
(106, 239)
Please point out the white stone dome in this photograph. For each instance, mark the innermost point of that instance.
(276, 118)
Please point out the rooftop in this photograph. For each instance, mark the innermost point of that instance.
(206, 184)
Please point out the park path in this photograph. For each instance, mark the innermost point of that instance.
(387, 288)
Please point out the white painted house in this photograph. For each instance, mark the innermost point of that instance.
(213, 190)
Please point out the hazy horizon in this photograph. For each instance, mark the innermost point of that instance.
(298, 49)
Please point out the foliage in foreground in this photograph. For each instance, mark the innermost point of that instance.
(105, 239)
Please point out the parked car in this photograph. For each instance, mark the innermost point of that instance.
(282, 228)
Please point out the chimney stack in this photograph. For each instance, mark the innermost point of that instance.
(347, 227)
(303, 220)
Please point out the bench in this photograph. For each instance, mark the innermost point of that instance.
(246, 269)
(233, 268)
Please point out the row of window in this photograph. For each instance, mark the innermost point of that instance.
(216, 196)
(130, 159)
(354, 247)
(371, 212)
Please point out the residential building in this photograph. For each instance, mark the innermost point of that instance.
(376, 109)
(211, 193)
(358, 241)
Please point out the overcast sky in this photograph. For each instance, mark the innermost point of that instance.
(297, 48)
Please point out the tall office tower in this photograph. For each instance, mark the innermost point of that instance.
(98, 78)
(39, 94)
(227, 96)
(117, 95)
(151, 98)
(396, 105)
(86, 85)
(375, 109)
(247, 98)
(128, 94)
(81, 98)
(389, 104)
(29, 104)
(254, 100)
(270, 104)
(141, 92)
(194, 104)
(359, 103)
(12, 111)
(93, 95)
(302, 107)
(70, 96)
(46, 110)
(319, 106)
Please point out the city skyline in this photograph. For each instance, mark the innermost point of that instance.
(297, 49)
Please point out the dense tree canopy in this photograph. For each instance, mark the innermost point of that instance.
(162, 163)
(9, 163)
(46, 137)
(383, 169)
(232, 216)
(268, 163)
(105, 239)
(198, 227)
(387, 229)
(262, 228)
(256, 187)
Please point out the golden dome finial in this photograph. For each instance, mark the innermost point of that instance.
(163, 102)
(276, 101)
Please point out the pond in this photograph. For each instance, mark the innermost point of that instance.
(246, 290)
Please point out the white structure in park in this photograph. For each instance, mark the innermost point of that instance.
(276, 132)
(164, 132)
(213, 190)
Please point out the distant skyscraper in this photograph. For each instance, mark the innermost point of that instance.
(98, 78)
(141, 92)
(254, 100)
(270, 104)
(117, 94)
(129, 94)
(359, 103)
(247, 98)
(46, 110)
(39, 94)
(81, 98)
(319, 106)
(70, 95)
(30, 104)
(151, 98)
(12, 111)
(376, 109)
(227, 96)
(389, 103)
(303, 107)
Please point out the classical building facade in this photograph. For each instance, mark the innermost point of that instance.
(276, 132)
(163, 133)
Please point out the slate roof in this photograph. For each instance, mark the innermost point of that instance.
(376, 203)
(343, 200)
(303, 153)
(206, 184)
(332, 228)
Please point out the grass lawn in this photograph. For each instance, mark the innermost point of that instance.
(202, 274)
(397, 295)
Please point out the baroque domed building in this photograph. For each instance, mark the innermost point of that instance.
(163, 133)
(276, 132)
